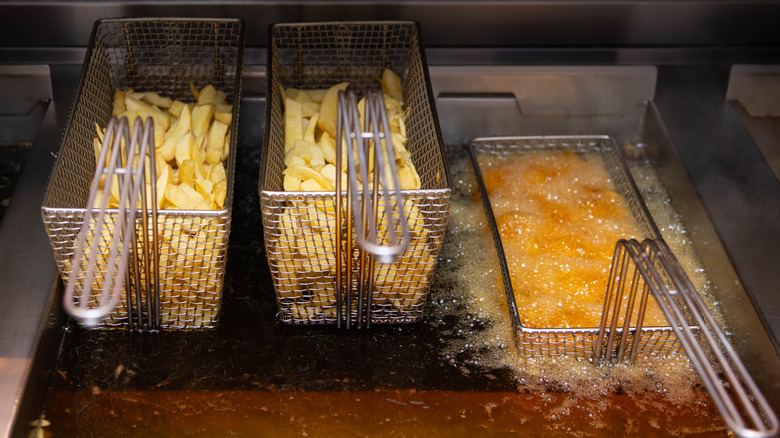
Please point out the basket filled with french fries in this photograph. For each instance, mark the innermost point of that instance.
(308, 64)
(184, 74)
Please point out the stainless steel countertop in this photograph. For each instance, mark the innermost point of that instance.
(25, 255)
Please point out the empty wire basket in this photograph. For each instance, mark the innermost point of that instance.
(165, 55)
(561, 341)
(299, 240)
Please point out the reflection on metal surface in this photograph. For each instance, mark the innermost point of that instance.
(657, 273)
(576, 91)
(25, 97)
(28, 273)
(757, 88)
(740, 193)
(510, 101)
(755, 94)
(26, 93)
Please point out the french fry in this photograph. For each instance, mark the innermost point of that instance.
(182, 124)
(176, 107)
(219, 193)
(201, 118)
(408, 177)
(184, 148)
(134, 94)
(301, 149)
(119, 103)
(163, 180)
(215, 142)
(204, 187)
(144, 109)
(329, 108)
(317, 95)
(226, 147)
(159, 134)
(291, 183)
(195, 92)
(199, 153)
(219, 98)
(311, 185)
(207, 94)
(290, 92)
(187, 172)
(317, 160)
(182, 134)
(168, 149)
(302, 96)
(329, 172)
(391, 84)
(224, 113)
(308, 135)
(155, 99)
(97, 145)
(297, 161)
(101, 134)
(309, 109)
(328, 145)
(174, 195)
(217, 173)
(293, 123)
(306, 173)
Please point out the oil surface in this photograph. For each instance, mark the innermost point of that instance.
(454, 374)
(559, 217)
(653, 384)
(381, 413)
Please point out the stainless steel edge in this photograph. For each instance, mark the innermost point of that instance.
(737, 187)
(741, 316)
(23, 102)
(26, 262)
(754, 92)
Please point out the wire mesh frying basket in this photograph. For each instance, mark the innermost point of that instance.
(563, 341)
(164, 55)
(299, 246)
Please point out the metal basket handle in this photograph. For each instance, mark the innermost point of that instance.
(120, 158)
(656, 271)
(363, 212)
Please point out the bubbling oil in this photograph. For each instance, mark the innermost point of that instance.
(559, 217)
(653, 384)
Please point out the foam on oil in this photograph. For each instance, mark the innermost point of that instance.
(653, 383)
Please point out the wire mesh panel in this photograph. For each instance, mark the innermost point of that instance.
(299, 236)
(558, 341)
(165, 56)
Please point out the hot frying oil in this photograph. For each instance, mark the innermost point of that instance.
(656, 396)
(559, 217)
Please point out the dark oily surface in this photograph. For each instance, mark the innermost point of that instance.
(452, 374)
(252, 349)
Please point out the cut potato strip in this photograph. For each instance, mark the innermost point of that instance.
(310, 129)
(307, 230)
(192, 143)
